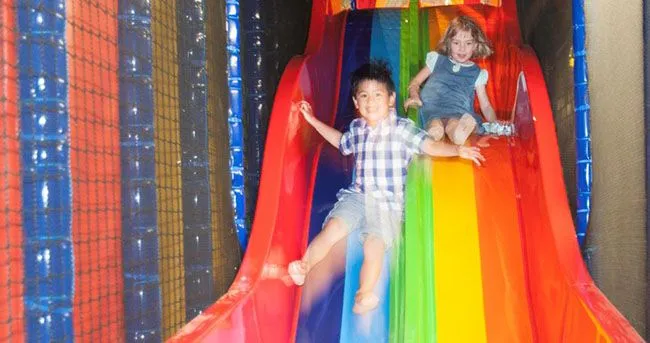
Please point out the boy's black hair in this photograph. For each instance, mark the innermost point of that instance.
(376, 70)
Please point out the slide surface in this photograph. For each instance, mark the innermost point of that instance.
(489, 253)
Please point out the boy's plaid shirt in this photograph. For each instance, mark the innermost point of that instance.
(382, 155)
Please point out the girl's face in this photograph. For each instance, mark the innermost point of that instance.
(463, 46)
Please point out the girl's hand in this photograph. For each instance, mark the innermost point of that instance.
(471, 153)
(412, 102)
(305, 109)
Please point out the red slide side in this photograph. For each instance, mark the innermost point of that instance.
(259, 304)
(568, 307)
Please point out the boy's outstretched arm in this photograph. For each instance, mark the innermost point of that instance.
(442, 149)
(332, 135)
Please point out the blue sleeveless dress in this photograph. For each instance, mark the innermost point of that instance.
(449, 90)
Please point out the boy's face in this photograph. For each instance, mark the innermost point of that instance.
(373, 101)
(463, 46)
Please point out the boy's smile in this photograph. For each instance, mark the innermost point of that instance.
(373, 101)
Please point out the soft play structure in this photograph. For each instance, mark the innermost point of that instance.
(488, 253)
(115, 214)
(132, 134)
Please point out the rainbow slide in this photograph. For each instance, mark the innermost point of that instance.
(489, 253)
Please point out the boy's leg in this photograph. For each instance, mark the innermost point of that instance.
(334, 230)
(458, 130)
(436, 130)
(373, 259)
(344, 217)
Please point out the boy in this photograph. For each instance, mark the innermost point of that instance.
(383, 145)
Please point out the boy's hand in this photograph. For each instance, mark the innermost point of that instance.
(471, 153)
(305, 109)
(331, 135)
(412, 102)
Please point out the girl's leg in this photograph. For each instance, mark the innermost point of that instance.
(436, 130)
(458, 130)
(333, 231)
(373, 258)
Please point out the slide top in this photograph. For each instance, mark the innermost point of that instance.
(343, 5)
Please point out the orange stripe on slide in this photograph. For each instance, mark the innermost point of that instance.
(11, 231)
(507, 309)
(439, 18)
(95, 167)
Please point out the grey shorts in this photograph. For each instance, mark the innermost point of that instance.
(361, 213)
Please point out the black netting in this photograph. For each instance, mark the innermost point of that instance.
(114, 215)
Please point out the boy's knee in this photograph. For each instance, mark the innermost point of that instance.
(335, 227)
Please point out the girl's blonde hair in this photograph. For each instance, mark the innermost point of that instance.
(464, 23)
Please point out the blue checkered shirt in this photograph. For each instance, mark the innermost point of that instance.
(382, 155)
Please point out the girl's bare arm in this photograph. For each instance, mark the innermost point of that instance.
(484, 102)
(414, 88)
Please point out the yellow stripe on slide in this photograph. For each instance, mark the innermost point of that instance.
(460, 315)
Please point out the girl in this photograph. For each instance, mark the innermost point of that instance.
(447, 98)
